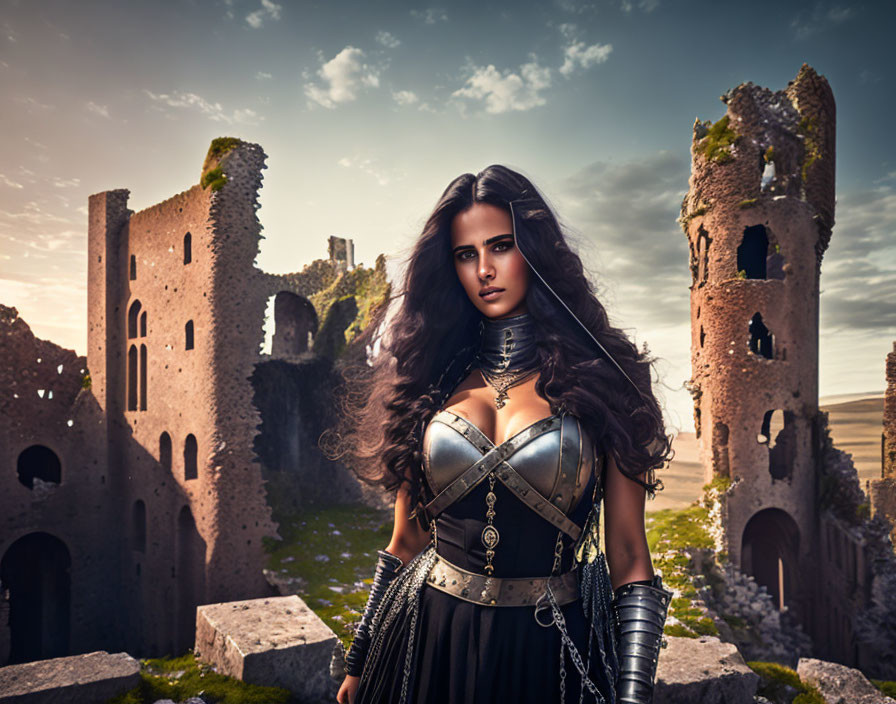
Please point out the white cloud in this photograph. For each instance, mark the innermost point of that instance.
(9, 182)
(343, 77)
(96, 109)
(579, 55)
(368, 166)
(805, 24)
(405, 97)
(263, 76)
(268, 10)
(507, 91)
(214, 111)
(65, 183)
(387, 39)
(430, 15)
(644, 5)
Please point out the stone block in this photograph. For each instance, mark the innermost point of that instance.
(89, 678)
(704, 670)
(275, 642)
(840, 684)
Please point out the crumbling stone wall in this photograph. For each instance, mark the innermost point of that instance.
(882, 492)
(54, 496)
(161, 504)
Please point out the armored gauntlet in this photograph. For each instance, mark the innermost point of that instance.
(640, 608)
(387, 567)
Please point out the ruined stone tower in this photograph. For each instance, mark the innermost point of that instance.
(758, 218)
(167, 356)
(883, 491)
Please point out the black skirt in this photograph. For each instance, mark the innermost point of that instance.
(432, 648)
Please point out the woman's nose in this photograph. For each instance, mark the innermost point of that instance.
(486, 270)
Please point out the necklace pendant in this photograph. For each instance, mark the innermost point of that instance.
(501, 399)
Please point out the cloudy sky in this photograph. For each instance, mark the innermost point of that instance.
(368, 110)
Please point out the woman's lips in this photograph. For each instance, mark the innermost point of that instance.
(492, 294)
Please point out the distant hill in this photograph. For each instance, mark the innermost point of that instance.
(856, 425)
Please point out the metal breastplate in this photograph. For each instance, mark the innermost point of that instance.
(553, 456)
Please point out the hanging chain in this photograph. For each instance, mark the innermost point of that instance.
(490, 535)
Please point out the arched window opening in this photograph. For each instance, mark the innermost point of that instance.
(165, 451)
(36, 571)
(143, 366)
(138, 526)
(752, 252)
(38, 462)
(133, 316)
(133, 268)
(762, 342)
(188, 248)
(295, 322)
(143, 324)
(188, 335)
(703, 242)
(769, 550)
(779, 433)
(132, 378)
(191, 451)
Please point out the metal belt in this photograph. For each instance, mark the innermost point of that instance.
(500, 591)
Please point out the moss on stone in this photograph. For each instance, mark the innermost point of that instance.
(86, 381)
(212, 172)
(748, 203)
(716, 145)
(774, 679)
(808, 128)
(214, 179)
(182, 677)
(741, 274)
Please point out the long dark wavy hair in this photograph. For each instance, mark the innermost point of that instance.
(388, 397)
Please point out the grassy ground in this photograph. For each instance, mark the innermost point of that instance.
(183, 677)
(330, 556)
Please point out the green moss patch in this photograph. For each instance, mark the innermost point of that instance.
(671, 534)
(716, 145)
(183, 677)
(888, 688)
(808, 128)
(333, 552)
(212, 172)
(775, 679)
(214, 179)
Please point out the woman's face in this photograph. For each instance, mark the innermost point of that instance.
(485, 258)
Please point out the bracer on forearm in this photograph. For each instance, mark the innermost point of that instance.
(387, 568)
(640, 609)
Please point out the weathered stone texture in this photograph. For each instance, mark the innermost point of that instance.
(839, 684)
(92, 678)
(703, 670)
(277, 641)
(755, 240)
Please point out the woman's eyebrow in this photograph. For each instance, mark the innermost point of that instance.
(486, 242)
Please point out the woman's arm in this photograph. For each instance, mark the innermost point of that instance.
(408, 538)
(625, 538)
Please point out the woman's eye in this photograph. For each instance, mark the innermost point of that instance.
(502, 246)
(462, 256)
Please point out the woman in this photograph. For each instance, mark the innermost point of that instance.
(502, 410)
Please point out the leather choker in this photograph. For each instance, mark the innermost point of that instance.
(507, 344)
